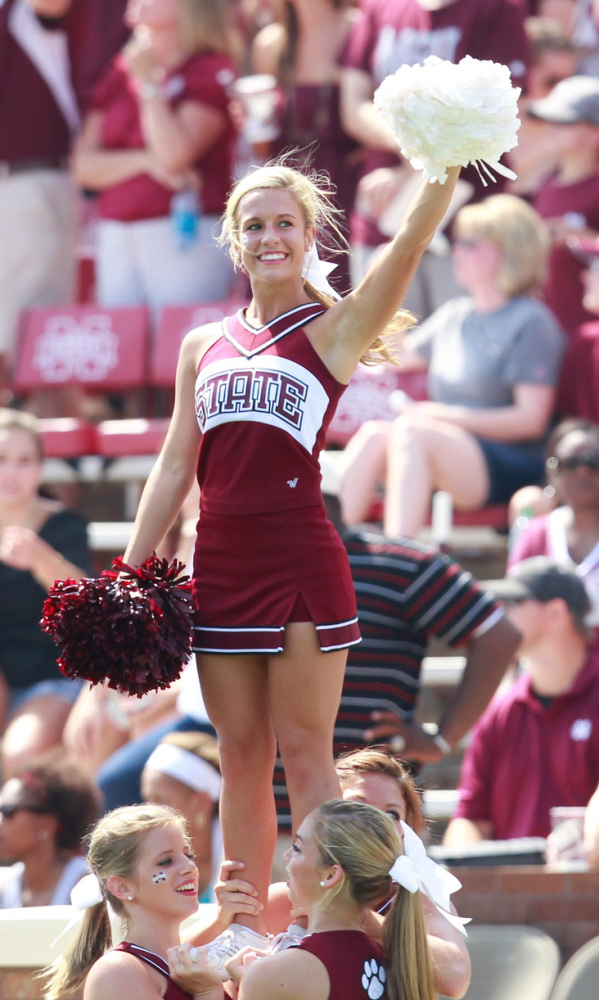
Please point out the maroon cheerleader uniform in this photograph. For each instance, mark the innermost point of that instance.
(172, 991)
(266, 553)
(354, 962)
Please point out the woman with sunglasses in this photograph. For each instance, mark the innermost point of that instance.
(570, 533)
(45, 809)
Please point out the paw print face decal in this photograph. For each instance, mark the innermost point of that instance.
(373, 979)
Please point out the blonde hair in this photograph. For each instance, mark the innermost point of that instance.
(114, 846)
(520, 234)
(19, 420)
(371, 760)
(206, 26)
(313, 193)
(365, 843)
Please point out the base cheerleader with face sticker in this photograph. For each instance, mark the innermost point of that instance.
(141, 863)
(347, 857)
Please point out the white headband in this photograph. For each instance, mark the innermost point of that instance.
(414, 870)
(316, 271)
(186, 767)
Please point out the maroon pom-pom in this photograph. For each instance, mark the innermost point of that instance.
(130, 627)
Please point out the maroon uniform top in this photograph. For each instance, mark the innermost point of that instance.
(172, 992)
(562, 290)
(264, 400)
(354, 962)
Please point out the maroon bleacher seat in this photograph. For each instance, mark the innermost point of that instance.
(138, 436)
(100, 349)
(67, 437)
(494, 515)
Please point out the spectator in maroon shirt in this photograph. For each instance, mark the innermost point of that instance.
(159, 127)
(548, 718)
(569, 199)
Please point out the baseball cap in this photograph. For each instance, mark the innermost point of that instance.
(542, 579)
(575, 99)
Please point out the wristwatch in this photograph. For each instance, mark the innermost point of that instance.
(433, 730)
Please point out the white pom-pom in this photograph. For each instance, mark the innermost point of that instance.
(444, 114)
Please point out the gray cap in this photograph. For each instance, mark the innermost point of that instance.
(542, 579)
(573, 100)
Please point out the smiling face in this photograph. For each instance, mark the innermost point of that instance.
(273, 235)
(166, 876)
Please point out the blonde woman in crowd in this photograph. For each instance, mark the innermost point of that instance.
(493, 360)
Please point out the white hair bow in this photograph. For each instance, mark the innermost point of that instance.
(414, 870)
(316, 271)
(87, 892)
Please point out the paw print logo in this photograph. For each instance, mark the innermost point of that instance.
(373, 979)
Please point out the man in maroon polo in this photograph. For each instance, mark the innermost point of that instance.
(537, 744)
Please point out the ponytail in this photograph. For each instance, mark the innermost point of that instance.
(407, 958)
(69, 971)
(114, 845)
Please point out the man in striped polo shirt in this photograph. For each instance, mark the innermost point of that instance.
(408, 592)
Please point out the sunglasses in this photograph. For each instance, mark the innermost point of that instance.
(8, 810)
(586, 460)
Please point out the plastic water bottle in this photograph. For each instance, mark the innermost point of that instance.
(186, 210)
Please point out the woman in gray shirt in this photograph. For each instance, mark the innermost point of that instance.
(493, 360)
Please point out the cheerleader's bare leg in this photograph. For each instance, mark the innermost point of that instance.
(235, 691)
(304, 692)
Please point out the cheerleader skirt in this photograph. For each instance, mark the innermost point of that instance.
(255, 573)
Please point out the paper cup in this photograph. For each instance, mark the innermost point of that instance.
(565, 848)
